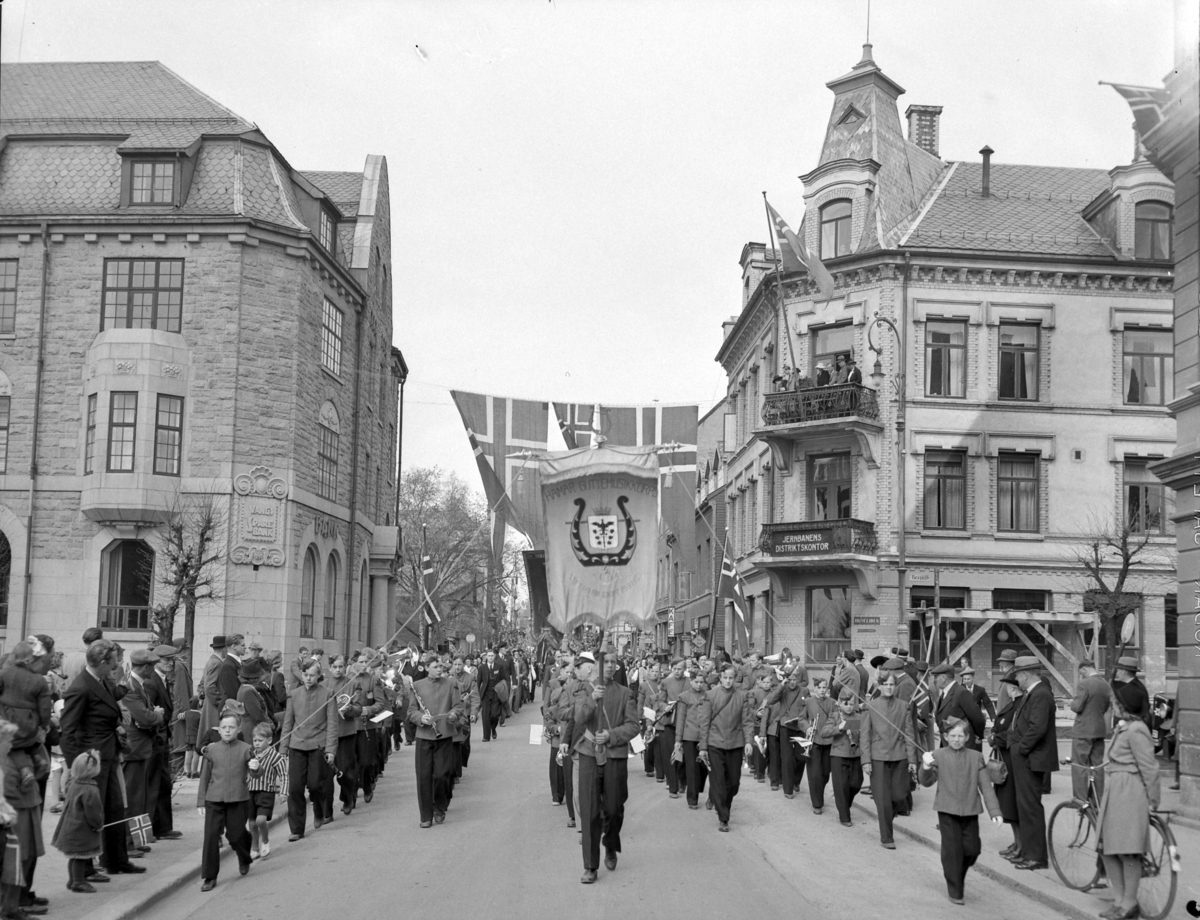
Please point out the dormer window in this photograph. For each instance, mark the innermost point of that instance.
(153, 182)
(851, 116)
(325, 231)
(1152, 230)
(835, 229)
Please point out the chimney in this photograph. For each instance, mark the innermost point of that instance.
(987, 171)
(727, 326)
(923, 126)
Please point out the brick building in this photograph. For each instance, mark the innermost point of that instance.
(1023, 376)
(184, 314)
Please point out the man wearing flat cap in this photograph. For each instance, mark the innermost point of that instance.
(146, 734)
(956, 705)
(1034, 747)
(170, 688)
(1091, 705)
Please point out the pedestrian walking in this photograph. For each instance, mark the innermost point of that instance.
(223, 800)
(726, 730)
(309, 742)
(268, 780)
(687, 725)
(818, 709)
(888, 748)
(842, 733)
(436, 709)
(961, 775)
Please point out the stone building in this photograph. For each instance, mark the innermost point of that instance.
(186, 317)
(1012, 327)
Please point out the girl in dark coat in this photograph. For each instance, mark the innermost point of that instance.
(78, 831)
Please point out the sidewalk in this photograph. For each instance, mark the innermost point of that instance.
(169, 865)
(1045, 886)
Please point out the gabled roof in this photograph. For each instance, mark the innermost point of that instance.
(1031, 210)
(129, 90)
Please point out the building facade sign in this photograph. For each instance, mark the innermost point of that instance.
(259, 506)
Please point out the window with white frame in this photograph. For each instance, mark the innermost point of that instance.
(331, 338)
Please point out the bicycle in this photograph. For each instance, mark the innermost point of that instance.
(1073, 839)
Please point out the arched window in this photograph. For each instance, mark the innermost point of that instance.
(5, 571)
(308, 592)
(364, 605)
(126, 581)
(329, 630)
(835, 229)
(327, 452)
(1152, 230)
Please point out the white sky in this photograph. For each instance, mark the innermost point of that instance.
(573, 181)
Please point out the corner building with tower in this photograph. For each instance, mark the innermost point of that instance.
(185, 317)
(1012, 326)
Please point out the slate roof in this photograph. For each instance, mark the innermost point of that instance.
(343, 188)
(133, 90)
(1031, 210)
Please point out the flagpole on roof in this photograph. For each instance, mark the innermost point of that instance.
(778, 286)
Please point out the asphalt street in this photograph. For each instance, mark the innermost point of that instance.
(505, 850)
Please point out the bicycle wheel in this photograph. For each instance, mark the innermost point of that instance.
(1072, 844)
(1156, 894)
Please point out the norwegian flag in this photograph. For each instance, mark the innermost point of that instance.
(575, 423)
(1148, 104)
(428, 583)
(816, 268)
(139, 829)
(730, 588)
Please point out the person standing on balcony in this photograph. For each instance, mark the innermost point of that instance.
(823, 376)
(853, 374)
(842, 372)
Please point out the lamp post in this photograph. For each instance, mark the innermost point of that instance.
(898, 382)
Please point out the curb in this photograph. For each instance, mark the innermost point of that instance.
(133, 903)
(1048, 900)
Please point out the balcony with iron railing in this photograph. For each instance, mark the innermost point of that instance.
(845, 543)
(791, 415)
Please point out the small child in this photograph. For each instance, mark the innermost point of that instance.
(961, 776)
(841, 733)
(268, 778)
(78, 831)
(223, 800)
(25, 701)
(25, 827)
(191, 721)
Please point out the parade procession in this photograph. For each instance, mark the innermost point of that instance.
(544, 458)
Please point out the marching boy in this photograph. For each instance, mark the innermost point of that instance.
(223, 800)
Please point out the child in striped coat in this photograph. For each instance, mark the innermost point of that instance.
(268, 778)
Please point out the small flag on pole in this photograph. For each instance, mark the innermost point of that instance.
(428, 583)
(139, 828)
(730, 589)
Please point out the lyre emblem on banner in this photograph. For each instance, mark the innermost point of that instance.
(603, 544)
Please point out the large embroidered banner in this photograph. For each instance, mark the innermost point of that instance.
(601, 509)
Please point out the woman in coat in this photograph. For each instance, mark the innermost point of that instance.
(1131, 792)
(1006, 792)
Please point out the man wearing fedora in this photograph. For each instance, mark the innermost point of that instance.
(1091, 705)
(1034, 746)
(1008, 658)
(1129, 690)
(956, 705)
(209, 691)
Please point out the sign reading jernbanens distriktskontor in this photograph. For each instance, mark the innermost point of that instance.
(808, 542)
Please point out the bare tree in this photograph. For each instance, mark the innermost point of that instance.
(1112, 555)
(457, 535)
(189, 570)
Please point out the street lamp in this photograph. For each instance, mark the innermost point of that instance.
(897, 378)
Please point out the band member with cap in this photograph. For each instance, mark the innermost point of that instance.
(598, 722)
(1091, 705)
(673, 686)
(818, 709)
(888, 747)
(1034, 747)
(757, 697)
(436, 708)
(955, 704)
(687, 738)
(726, 734)
(788, 708)
(145, 733)
(842, 733)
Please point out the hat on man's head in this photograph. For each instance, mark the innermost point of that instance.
(142, 656)
(892, 664)
(1009, 678)
(1026, 663)
(1127, 662)
(922, 666)
(255, 644)
(877, 661)
(252, 670)
(943, 668)
(166, 651)
(1087, 663)
(902, 653)
(218, 642)
(858, 654)
(967, 670)
(1008, 655)
(585, 658)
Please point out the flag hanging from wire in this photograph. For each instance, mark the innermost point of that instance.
(575, 423)
(816, 268)
(428, 583)
(730, 588)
